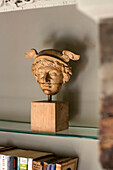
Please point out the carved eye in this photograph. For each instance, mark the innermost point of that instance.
(52, 74)
(41, 74)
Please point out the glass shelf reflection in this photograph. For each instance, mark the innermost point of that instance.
(73, 131)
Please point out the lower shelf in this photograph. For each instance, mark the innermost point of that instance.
(73, 131)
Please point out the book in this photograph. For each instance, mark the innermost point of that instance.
(5, 160)
(30, 164)
(37, 166)
(67, 164)
(48, 167)
(53, 167)
(3, 148)
(42, 162)
(3, 163)
(61, 163)
(49, 163)
(13, 163)
(23, 163)
(8, 163)
(24, 158)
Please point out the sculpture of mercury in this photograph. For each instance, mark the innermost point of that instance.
(51, 68)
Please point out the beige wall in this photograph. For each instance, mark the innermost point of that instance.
(95, 2)
(85, 149)
(61, 27)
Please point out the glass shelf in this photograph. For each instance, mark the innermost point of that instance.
(73, 131)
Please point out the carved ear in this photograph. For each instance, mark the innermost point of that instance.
(66, 78)
(69, 55)
(34, 71)
(31, 54)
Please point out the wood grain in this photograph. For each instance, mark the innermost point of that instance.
(49, 117)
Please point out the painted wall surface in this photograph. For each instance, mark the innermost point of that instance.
(95, 2)
(85, 149)
(59, 28)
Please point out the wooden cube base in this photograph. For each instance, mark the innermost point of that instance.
(49, 116)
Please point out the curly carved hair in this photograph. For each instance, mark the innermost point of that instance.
(66, 70)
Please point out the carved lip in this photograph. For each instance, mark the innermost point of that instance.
(49, 83)
(46, 85)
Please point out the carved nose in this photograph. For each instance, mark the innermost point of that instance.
(47, 77)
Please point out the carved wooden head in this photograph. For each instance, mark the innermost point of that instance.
(51, 68)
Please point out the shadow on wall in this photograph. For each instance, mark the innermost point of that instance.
(70, 91)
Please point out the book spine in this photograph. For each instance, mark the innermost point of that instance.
(44, 165)
(18, 163)
(37, 165)
(72, 164)
(13, 163)
(30, 163)
(58, 167)
(8, 163)
(48, 167)
(3, 162)
(53, 166)
(23, 164)
(0, 162)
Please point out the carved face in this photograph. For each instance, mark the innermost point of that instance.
(50, 79)
(51, 68)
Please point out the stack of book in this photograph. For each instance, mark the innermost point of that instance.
(12, 158)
